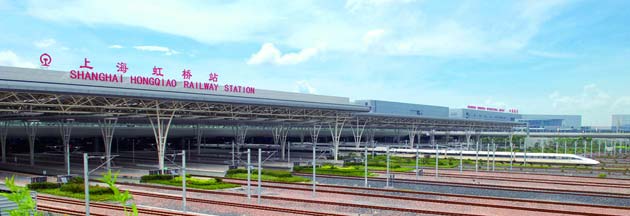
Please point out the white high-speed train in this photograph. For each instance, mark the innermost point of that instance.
(519, 157)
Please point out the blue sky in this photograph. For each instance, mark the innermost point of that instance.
(550, 57)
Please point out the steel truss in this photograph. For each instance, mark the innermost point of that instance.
(27, 103)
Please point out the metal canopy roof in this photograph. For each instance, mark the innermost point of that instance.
(53, 101)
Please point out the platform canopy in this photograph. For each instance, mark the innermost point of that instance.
(49, 95)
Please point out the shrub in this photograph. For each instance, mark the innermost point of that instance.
(42, 185)
(76, 180)
(147, 178)
(602, 175)
(72, 188)
(79, 188)
(276, 173)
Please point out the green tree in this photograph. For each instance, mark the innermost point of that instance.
(20, 196)
(121, 198)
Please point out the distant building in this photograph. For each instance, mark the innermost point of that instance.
(476, 114)
(406, 109)
(620, 122)
(552, 122)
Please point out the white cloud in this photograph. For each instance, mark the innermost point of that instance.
(9, 58)
(555, 55)
(209, 22)
(411, 28)
(269, 54)
(165, 50)
(304, 86)
(355, 5)
(42, 44)
(596, 104)
(116, 46)
(373, 36)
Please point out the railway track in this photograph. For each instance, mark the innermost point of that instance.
(362, 192)
(81, 204)
(558, 182)
(367, 194)
(231, 204)
(64, 211)
(302, 212)
(486, 186)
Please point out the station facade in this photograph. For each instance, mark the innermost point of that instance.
(620, 122)
(405, 109)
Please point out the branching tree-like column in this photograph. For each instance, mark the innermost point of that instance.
(240, 134)
(357, 132)
(280, 134)
(161, 125)
(65, 129)
(335, 130)
(413, 130)
(31, 131)
(4, 132)
(108, 126)
(198, 137)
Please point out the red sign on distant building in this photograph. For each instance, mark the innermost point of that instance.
(87, 72)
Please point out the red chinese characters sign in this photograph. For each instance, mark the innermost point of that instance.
(86, 71)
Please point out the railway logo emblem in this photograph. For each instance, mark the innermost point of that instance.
(45, 60)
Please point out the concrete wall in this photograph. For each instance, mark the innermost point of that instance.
(408, 109)
(568, 121)
(483, 115)
(621, 121)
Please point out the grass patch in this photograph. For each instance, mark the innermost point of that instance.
(353, 171)
(74, 189)
(93, 197)
(406, 164)
(267, 175)
(207, 184)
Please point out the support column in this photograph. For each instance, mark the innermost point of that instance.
(396, 136)
(461, 150)
(370, 139)
(477, 151)
(525, 143)
(335, 131)
(357, 132)
(280, 134)
(198, 137)
(31, 131)
(437, 160)
(314, 136)
(4, 132)
(108, 126)
(161, 125)
(240, 134)
(65, 128)
(511, 150)
(301, 130)
(413, 130)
